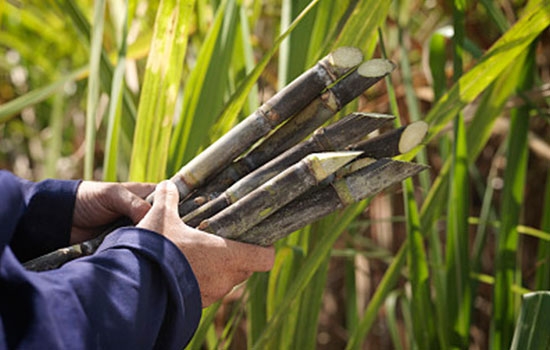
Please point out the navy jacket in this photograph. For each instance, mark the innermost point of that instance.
(136, 292)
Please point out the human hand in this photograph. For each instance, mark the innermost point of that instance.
(100, 203)
(219, 264)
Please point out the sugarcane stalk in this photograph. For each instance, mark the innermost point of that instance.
(336, 97)
(268, 117)
(311, 207)
(287, 102)
(392, 143)
(333, 137)
(336, 136)
(265, 200)
(60, 256)
(55, 259)
(296, 129)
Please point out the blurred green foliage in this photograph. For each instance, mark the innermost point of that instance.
(134, 89)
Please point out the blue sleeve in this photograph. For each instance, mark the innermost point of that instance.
(44, 215)
(138, 291)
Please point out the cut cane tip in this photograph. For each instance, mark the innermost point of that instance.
(412, 136)
(204, 225)
(327, 163)
(377, 67)
(200, 200)
(346, 57)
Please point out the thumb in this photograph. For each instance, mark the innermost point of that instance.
(165, 205)
(166, 196)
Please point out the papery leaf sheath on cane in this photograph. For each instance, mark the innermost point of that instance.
(312, 206)
(331, 138)
(287, 102)
(296, 129)
(265, 200)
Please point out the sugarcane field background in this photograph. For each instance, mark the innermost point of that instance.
(456, 256)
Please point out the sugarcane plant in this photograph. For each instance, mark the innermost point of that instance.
(280, 169)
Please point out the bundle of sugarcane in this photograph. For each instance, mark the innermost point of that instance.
(262, 180)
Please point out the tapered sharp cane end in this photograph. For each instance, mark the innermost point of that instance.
(377, 67)
(412, 136)
(327, 163)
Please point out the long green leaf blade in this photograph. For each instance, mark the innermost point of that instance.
(387, 284)
(110, 159)
(203, 93)
(501, 55)
(160, 90)
(542, 277)
(458, 294)
(312, 263)
(532, 326)
(93, 87)
(504, 301)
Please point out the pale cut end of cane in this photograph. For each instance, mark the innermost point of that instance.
(346, 57)
(324, 164)
(412, 136)
(377, 67)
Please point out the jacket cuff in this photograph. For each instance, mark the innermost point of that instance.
(182, 283)
(46, 224)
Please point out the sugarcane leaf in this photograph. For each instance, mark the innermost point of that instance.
(207, 320)
(94, 83)
(531, 330)
(385, 287)
(204, 89)
(515, 175)
(501, 55)
(496, 15)
(360, 29)
(311, 300)
(292, 52)
(110, 160)
(56, 137)
(257, 306)
(542, 276)
(420, 303)
(504, 55)
(458, 287)
(83, 28)
(458, 295)
(160, 89)
(417, 262)
(235, 104)
(438, 60)
(307, 270)
(243, 61)
(391, 307)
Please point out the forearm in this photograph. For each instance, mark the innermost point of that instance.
(137, 291)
